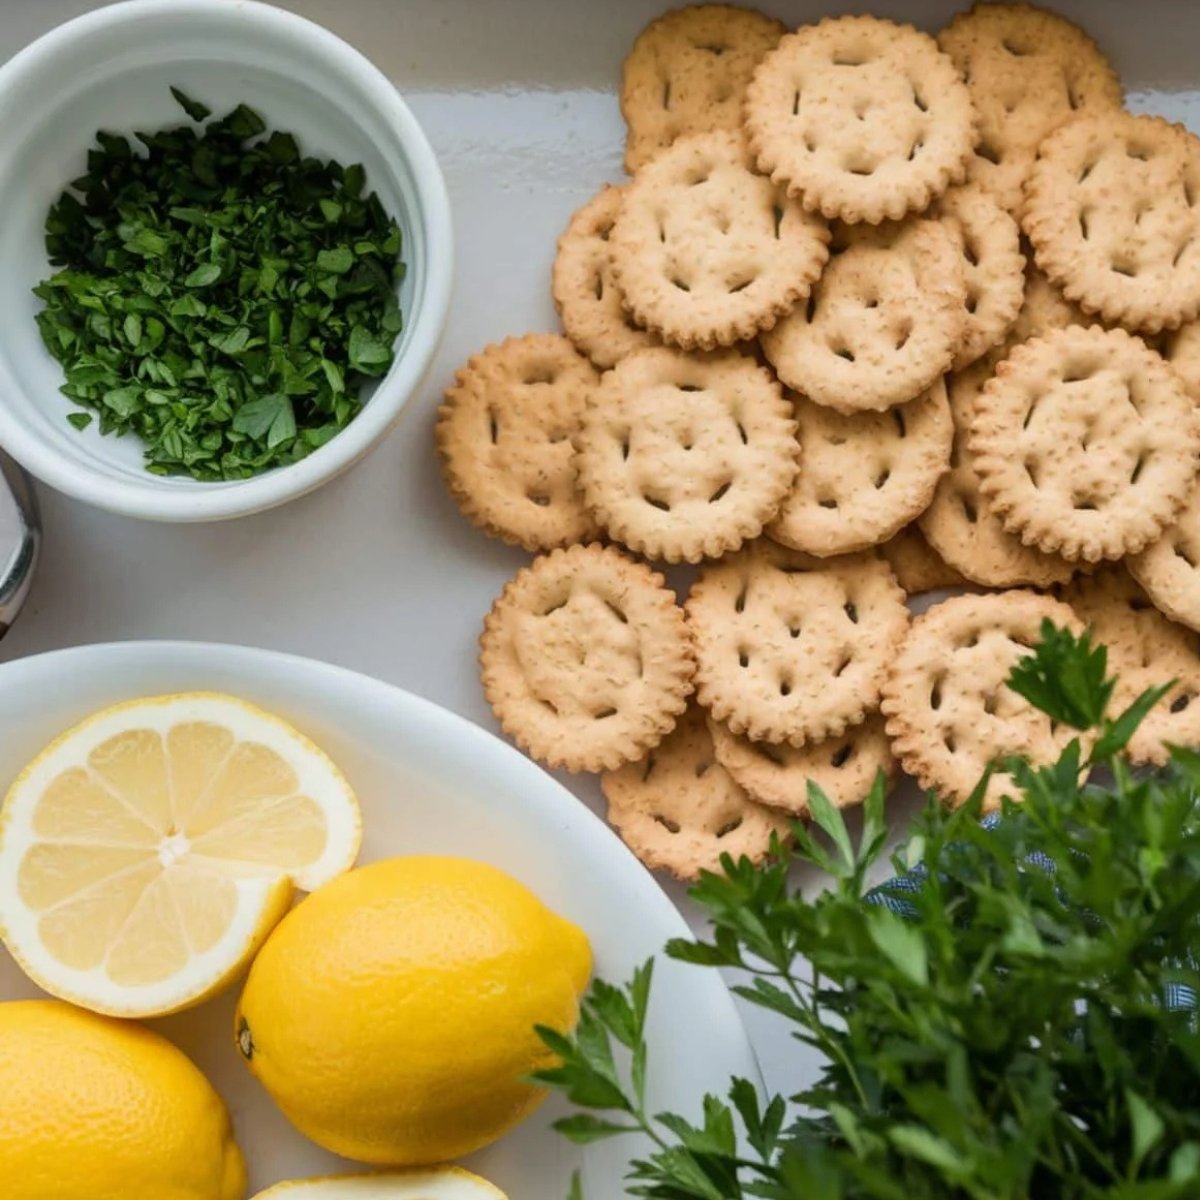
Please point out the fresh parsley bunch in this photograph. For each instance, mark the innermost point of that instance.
(1012, 1018)
(219, 294)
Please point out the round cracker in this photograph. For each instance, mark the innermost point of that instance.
(960, 523)
(705, 251)
(1113, 212)
(1028, 70)
(917, 566)
(683, 457)
(861, 118)
(1144, 650)
(845, 768)
(993, 266)
(589, 303)
(1086, 443)
(687, 73)
(793, 649)
(679, 810)
(883, 323)
(504, 437)
(586, 659)
(863, 477)
(1169, 570)
(950, 712)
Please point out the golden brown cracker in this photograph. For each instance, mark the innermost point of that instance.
(705, 251)
(586, 659)
(685, 456)
(504, 437)
(950, 712)
(1086, 443)
(790, 648)
(917, 566)
(861, 118)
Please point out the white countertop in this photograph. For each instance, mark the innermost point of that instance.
(377, 571)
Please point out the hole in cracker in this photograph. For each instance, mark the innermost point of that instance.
(846, 659)
(970, 251)
(1139, 604)
(1084, 504)
(851, 611)
(919, 100)
(656, 502)
(841, 756)
(1181, 702)
(542, 501)
(1077, 372)
(1123, 267)
(742, 432)
(493, 426)
(901, 427)
(969, 509)
(604, 229)
(616, 612)
(905, 332)
(721, 492)
(549, 704)
(1138, 467)
(728, 828)
(777, 213)
(785, 687)
(666, 94)
(1139, 152)
(796, 106)
(1083, 224)
(1182, 552)
(810, 144)
(883, 477)
(915, 149)
(1015, 50)
(625, 446)
(742, 284)
(844, 352)
(680, 284)
(543, 373)
(989, 704)
(862, 170)
(739, 604)
(1189, 193)
(666, 822)
(1088, 168)
(743, 658)
(773, 754)
(1134, 403)
(648, 767)
(1073, 98)
(688, 387)
(724, 93)
(697, 177)
(717, 48)
(828, 502)
(794, 630)
(950, 742)
(847, 58)
(871, 302)
(972, 302)
(604, 713)
(1183, 249)
(1031, 471)
(598, 287)
(701, 769)
(988, 153)
(810, 307)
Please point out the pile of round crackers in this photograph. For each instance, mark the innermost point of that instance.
(877, 313)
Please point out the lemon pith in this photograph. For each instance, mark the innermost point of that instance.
(146, 853)
(435, 1183)
(93, 1108)
(391, 1014)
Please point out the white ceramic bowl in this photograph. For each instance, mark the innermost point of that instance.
(112, 69)
(429, 783)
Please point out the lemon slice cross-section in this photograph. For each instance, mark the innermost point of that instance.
(147, 852)
(434, 1183)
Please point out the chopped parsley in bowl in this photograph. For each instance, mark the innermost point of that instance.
(219, 294)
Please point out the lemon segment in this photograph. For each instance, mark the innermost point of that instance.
(438, 1183)
(147, 852)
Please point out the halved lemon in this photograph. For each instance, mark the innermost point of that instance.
(437, 1183)
(147, 852)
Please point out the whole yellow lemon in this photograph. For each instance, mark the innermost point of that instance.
(97, 1109)
(391, 1014)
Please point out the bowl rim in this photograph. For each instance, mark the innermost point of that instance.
(151, 499)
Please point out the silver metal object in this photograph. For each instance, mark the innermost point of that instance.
(20, 540)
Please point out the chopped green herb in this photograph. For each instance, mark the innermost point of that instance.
(225, 299)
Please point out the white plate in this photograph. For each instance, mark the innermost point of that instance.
(429, 782)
